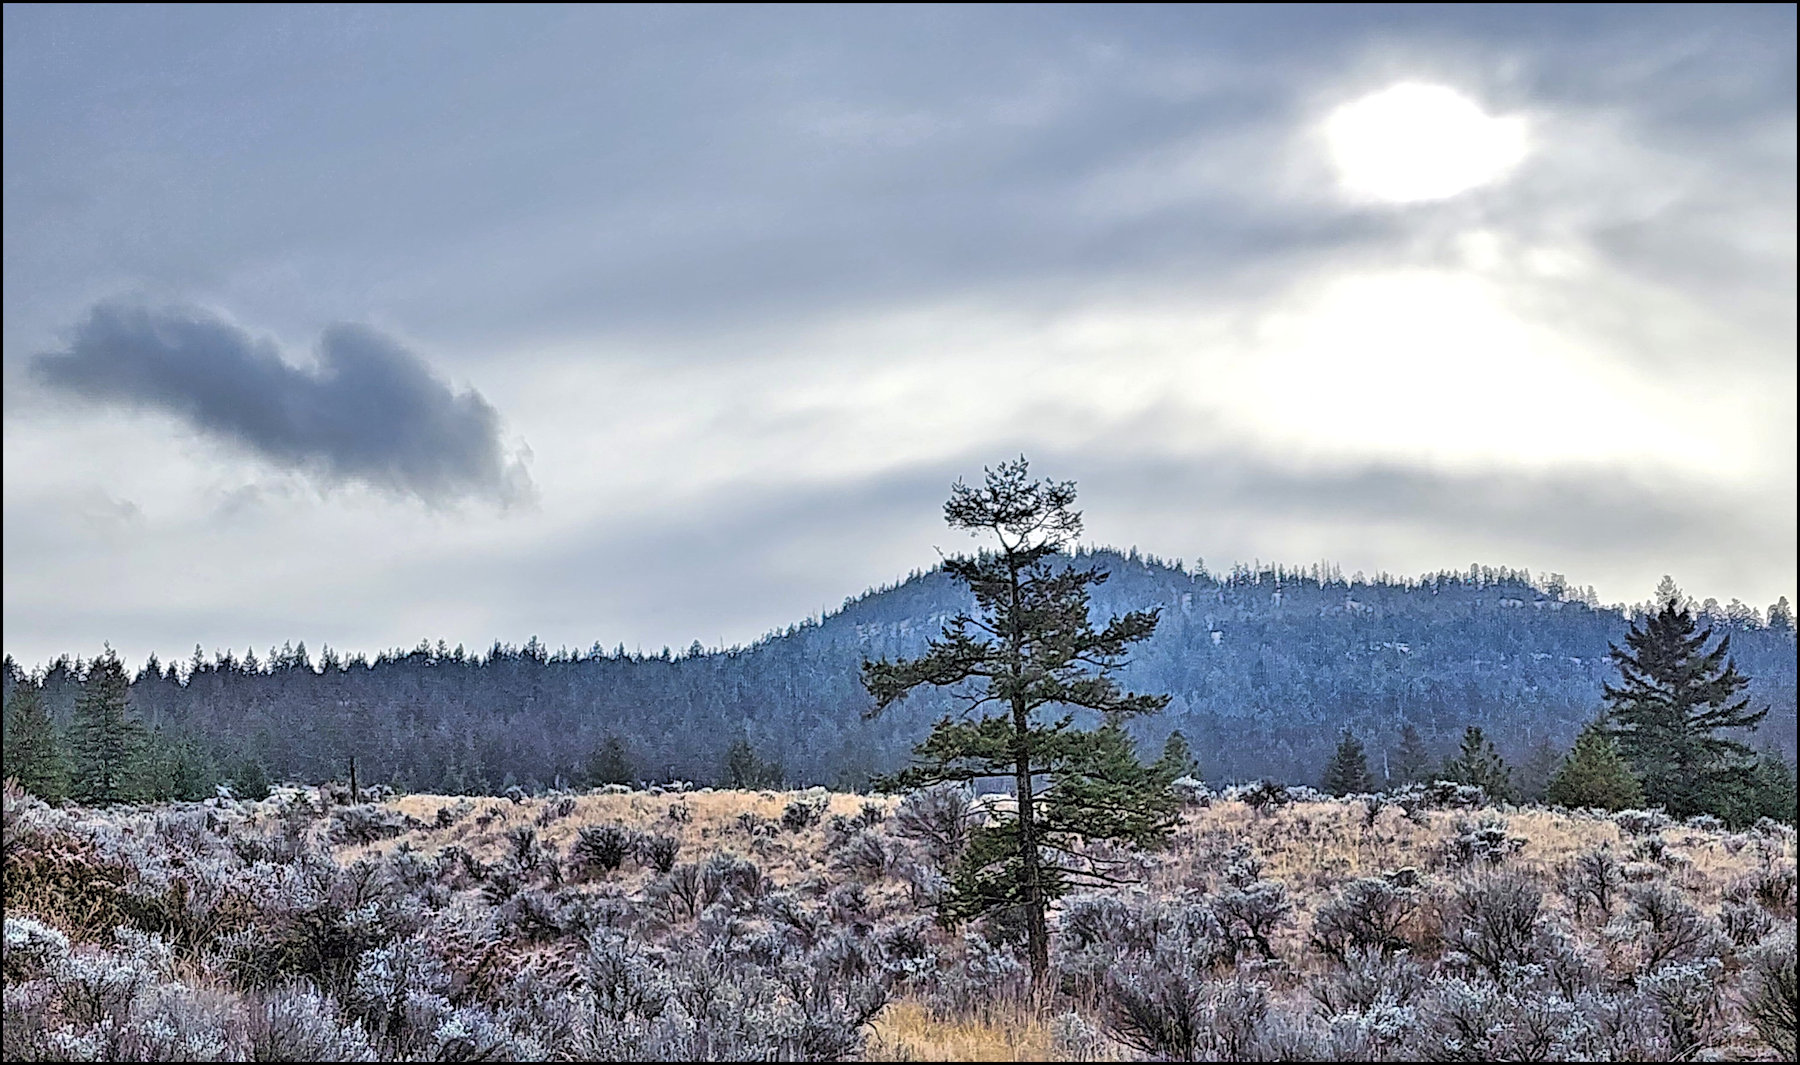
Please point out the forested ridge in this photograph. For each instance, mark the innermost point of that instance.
(1265, 667)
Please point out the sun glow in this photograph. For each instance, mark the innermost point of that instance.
(1414, 142)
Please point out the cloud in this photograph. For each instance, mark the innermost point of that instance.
(371, 412)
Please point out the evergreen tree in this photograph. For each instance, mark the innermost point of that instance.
(1033, 647)
(1767, 791)
(1594, 775)
(1412, 759)
(1478, 763)
(1540, 765)
(1178, 758)
(1348, 771)
(610, 764)
(1673, 698)
(33, 756)
(250, 781)
(743, 769)
(107, 740)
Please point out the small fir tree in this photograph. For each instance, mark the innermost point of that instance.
(1033, 648)
(1178, 758)
(33, 755)
(1673, 699)
(1535, 772)
(1412, 759)
(107, 741)
(1348, 771)
(1594, 775)
(1478, 763)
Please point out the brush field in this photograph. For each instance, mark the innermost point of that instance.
(717, 925)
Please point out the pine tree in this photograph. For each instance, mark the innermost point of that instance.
(611, 765)
(1594, 775)
(1178, 758)
(1535, 772)
(743, 769)
(33, 756)
(107, 740)
(1673, 698)
(1412, 759)
(1348, 771)
(1478, 763)
(1033, 647)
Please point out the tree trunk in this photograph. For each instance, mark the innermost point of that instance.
(1036, 930)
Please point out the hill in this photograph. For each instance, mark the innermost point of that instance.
(1264, 666)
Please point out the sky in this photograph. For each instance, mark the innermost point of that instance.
(642, 326)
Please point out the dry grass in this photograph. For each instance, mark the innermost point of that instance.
(906, 1031)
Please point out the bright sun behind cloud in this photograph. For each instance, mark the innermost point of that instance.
(1414, 142)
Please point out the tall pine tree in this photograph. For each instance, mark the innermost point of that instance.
(1348, 771)
(107, 741)
(1673, 698)
(1032, 648)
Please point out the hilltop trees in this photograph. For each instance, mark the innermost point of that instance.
(1673, 698)
(1032, 648)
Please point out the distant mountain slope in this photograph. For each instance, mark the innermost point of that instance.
(1264, 669)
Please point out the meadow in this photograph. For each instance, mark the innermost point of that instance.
(724, 925)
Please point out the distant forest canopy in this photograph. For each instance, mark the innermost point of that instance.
(1266, 666)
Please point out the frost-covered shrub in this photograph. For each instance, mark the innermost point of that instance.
(1173, 1013)
(1592, 881)
(1665, 928)
(1266, 795)
(1744, 923)
(1770, 996)
(368, 823)
(1484, 841)
(1686, 999)
(1250, 908)
(296, 1023)
(867, 854)
(1481, 1021)
(1074, 1039)
(1369, 912)
(987, 976)
(939, 820)
(602, 848)
(731, 879)
(1495, 921)
(450, 815)
(31, 946)
(658, 852)
(1369, 979)
(1191, 791)
(1641, 822)
(804, 811)
(1773, 887)
(400, 992)
(556, 809)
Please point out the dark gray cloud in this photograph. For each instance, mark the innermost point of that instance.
(371, 412)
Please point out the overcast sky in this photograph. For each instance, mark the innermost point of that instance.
(361, 326)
